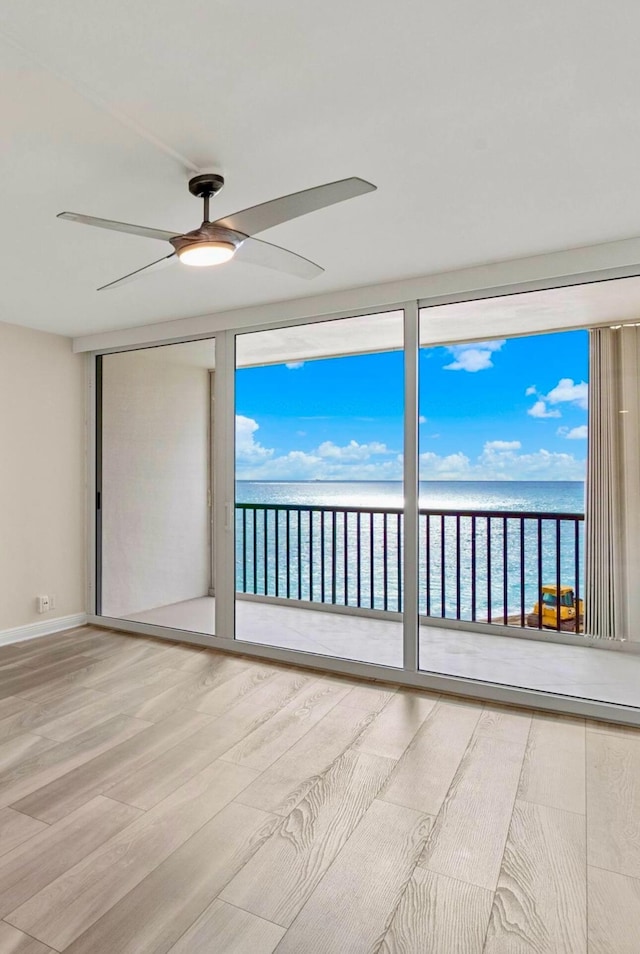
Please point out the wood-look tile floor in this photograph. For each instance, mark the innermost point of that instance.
(156, 797)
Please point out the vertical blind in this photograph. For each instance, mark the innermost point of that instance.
(612, 601)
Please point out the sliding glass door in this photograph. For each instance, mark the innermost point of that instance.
(503, 448)
(263, 488)
(319, 523)
(155, 487)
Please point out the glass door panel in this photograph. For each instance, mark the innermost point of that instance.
(503, 453)
(319, 498)
(154, 540)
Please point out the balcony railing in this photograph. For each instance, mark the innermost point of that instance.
(474, 565)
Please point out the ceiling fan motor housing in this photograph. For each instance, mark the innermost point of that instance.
(206, 234)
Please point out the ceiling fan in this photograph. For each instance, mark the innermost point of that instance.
(214, 243)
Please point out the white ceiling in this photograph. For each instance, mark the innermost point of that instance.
(492, 130)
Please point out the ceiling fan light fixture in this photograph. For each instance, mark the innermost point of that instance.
(202, 254)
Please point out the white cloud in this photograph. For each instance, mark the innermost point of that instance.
(294, 365)
(578, 433)
(540, 409)
(248, 450)
(299, 465)
(352, 451)
(503, 445)
(495, 464)
(474, 357)
(452, 467)
(422, 419)
(329, 461)
(567, 392)
(499, 460)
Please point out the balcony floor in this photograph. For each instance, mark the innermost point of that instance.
(585, 672)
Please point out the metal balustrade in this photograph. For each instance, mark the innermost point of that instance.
(474, 565)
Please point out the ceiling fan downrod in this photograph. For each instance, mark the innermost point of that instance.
(205, 187)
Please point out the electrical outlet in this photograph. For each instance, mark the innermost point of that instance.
(42, 603)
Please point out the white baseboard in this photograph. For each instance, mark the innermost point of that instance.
(45, 628)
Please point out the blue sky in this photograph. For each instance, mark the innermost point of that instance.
(494, 410)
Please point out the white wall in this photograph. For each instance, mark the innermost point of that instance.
(42, 476)
(155, 516)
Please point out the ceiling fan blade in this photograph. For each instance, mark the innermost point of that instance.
(117, 226)
(265, 216)
(256, 252)
(141, 272)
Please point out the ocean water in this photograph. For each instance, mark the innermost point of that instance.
(524, 495)
(469, 568)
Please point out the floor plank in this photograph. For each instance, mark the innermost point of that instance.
(36, 657)
(54, 800)
(34, 864)
(60, 758)
(427, 768)
(64, 727)
(28, 720)
(175, 655)
(614, 912)
(156, 780)
(52, 689)
(16, 828)
(152, 918)
(73, 902)
(540, 901)
(287, 781)
(135, 657)
(260, 748)
(34, 678)
(19, 749)
(187, 693)
(349, 914)
(133, 677)
(501, 722)
(83, 674)
(200, 658)
(397, 723)
(13, 941)
(254, 713)
(60, 695)
(468, 838)
(133, 695)
(228, 930)
(281, 877)
(439, 915)
(553, 773)
(10, 705)
(66, 701)
(613, 797)
(368, 696)
(260, 686)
